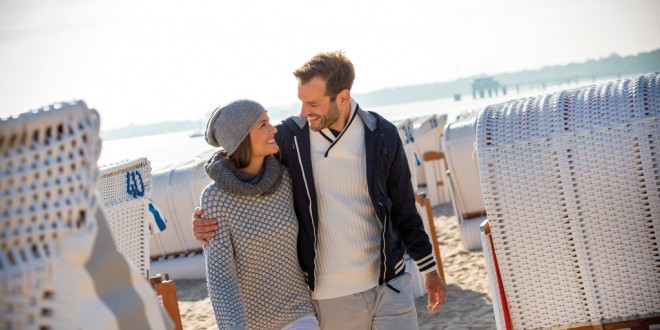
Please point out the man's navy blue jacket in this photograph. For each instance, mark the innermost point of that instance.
(390, 189)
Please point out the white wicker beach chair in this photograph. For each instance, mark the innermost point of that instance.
(432, 122)
(428, 137)
(427, 133)
(406, 133)
(571, 185)
(435, 167)
(463, 179)
(420, 142)
(59, 268)
(125, 189)
(176, 191)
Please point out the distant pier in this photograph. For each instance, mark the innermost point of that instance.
(486, 85)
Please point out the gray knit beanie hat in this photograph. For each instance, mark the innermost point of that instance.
(230, 124)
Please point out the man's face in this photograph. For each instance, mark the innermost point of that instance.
(316, 106)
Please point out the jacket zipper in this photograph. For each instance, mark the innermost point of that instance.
(309, 198)
(383, 247)
(384, 231)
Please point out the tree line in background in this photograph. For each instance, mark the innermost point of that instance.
(613, 66)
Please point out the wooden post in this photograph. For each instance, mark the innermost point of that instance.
(426, 204)
(167, 290)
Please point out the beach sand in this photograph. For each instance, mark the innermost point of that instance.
(467, 303)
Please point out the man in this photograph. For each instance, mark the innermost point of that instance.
(355, 205)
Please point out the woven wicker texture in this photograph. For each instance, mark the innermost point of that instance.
(571, 183)
(125, 189)
(47, 176)
(468, 231)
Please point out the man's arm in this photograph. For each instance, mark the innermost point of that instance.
(409, 225)
(203, 229)
(404, 215)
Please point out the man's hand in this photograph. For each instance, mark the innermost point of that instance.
(203, 229)
(436, 290)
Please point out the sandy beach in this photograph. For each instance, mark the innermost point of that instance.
(467, 303)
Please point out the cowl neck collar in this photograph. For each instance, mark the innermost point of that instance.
(231, 180)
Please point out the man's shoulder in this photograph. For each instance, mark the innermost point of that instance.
(287, 130)
(290, 126)
(374, 120)
(387, 125)
(293, 122)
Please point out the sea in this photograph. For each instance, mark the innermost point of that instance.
(168, 149)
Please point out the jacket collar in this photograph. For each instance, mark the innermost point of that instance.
(368, 118)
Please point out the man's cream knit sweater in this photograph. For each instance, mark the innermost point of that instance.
(349, 231)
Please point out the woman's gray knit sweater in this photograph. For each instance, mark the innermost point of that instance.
(254, 278)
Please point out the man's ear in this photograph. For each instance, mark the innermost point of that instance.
(344, 97)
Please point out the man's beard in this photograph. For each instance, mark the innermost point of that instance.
(329, 118)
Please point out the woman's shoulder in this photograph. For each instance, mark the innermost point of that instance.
(213, 201)
(211, 192)
(210, 188)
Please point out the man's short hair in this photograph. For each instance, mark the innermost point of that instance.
(333, 67)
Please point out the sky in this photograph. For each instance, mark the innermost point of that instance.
(147, 61)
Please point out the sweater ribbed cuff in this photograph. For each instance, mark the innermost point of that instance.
(426, 264)
(432, 269)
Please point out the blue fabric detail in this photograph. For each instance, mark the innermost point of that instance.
(159, 220)
(134, 184)
(409, 134)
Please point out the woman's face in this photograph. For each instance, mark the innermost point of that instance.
(262, 137)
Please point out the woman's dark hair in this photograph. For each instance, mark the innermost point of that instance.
(243, 155)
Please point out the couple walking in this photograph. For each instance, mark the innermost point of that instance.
(308, 227)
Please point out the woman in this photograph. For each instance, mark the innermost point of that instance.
(254, 278)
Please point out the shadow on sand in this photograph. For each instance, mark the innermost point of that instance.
(191, 290)
(463, 309)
